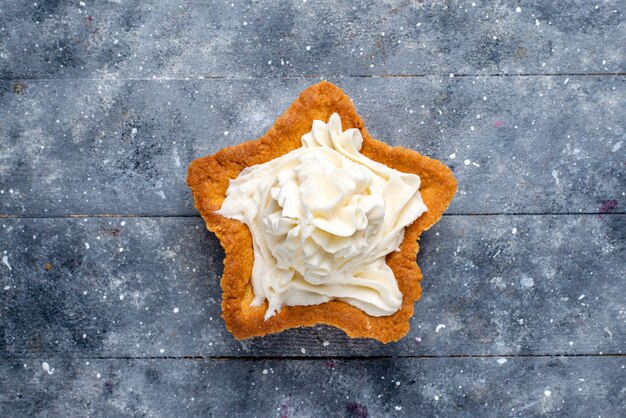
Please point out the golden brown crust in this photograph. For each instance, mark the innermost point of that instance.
(209, 177)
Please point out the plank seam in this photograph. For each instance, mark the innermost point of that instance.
(311, 76)
(311, 358)
(97, 216)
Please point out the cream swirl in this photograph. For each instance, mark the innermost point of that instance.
(323, 217)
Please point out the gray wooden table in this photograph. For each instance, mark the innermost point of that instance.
(109, 282)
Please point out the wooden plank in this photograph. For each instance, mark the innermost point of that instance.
(145, 287)
(517, 145)
(492, 387)
(294, 38)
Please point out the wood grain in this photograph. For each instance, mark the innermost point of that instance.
(63, 39)
(149, 287)
(104, 104)
(522, 145)
(488, 387)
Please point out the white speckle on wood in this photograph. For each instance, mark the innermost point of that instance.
(514, 231)
(46, 368)
(501, 360)
(325, 343)
(617, 146)
(176, 158)
(7, 287)
(175, 310)
(498, 282)
(439, 327)
(518, 9)
(86, 245)
(265, 371)
(5, 261)
(452, 156)
(527, 282)
(303, 350)
(555, 174)
(547, 393)
(581, 297)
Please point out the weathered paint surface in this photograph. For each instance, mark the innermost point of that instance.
(104, 104)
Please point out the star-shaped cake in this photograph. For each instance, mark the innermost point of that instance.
(319, 222)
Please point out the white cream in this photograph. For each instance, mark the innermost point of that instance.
(323, 217)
